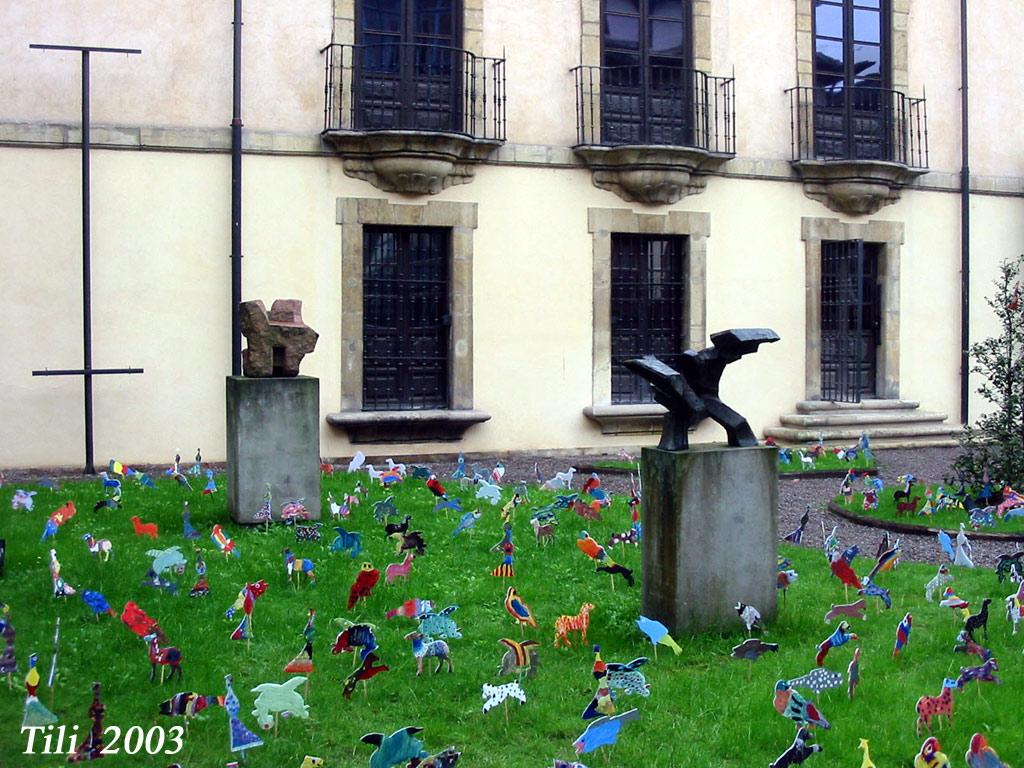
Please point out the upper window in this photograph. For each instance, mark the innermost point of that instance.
(647, 307)
(856, 115)
(647, 80)
(406, 318)
(408, 65)
(850, 38)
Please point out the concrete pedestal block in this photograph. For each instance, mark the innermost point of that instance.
(273, 437)
(710, 535)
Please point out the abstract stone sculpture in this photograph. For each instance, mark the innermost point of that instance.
(691, 394)
(276, 342)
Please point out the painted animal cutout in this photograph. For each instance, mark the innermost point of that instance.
(984, 673)
(101, 547)
(345, 541)
(493, 695)
(929, 707)
(274, 698)
(399, 570)
(160, 657)
(854, 610)
(424, 647)
(818, 680)
(144, 529)
(578, 623)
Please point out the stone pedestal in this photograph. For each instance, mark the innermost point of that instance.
(273, 437)
(710, 535)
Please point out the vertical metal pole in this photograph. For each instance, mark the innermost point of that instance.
(90, 468)
(965, 225)
(236, 194)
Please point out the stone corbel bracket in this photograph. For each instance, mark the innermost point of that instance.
(857, 187)
(650, 174)
(413, 162)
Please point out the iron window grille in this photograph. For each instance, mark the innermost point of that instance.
(850, 319)
(647, 307)
(406, 318)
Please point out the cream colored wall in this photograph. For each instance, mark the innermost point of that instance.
(541, 41)
(161, 277)
(182, 78)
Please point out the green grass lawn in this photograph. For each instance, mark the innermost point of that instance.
(703, 710)
(948, 518)
(828, 461)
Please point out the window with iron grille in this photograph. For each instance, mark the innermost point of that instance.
(406, 318)
(647, 312)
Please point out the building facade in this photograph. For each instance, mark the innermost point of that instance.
(485, 206)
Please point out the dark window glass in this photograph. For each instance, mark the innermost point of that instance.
(407, 65)
(648, 97)
(853, 110)
(666, 9)
(647, 307)
(405, 318)
(828, 20)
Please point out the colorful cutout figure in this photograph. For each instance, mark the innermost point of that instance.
(102, 547)
(223, 542)
(303, 662)
(92, 747)
(931, 755)
(367, 670)
(440, 624)
(424, 647)
(579, 623)
(818, 680)
(506, 569)
(853, 673)
(798, 751)
(517, 609)
(964, 550)
(274, 698)
(363, 585)
(8, 660)
(902, 634)
(57, 518)
(245, 602)
(162, 657)
(929, 707)
(35, 713)
(602, 702)
(841, 636)
(520, 658)
(750, 617)
(397, 749)
(604, 731)
(354, 636)
(493, 695)
(241, 738)
(60, 587)
(795, 707)
(940, 579)
(752, 649)
(980, 755)
(300, 566)
(658, 634)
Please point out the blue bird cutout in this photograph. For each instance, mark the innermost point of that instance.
(947, 545)
(466, 522)
(97, 602)
(397, 749)
(603, 731)
(657, 633)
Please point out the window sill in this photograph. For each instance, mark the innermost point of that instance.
(406, 426)
(642, 418)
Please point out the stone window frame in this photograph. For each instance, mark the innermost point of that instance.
(899, 50)
(353, 213)
(602, 223)
(472, 24)
(889, 235)
(590, 33)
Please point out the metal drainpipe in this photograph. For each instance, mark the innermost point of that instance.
(236, 194)
(965, 224)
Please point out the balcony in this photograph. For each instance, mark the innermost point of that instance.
(857, 148)
(651, 133)
(411, 117)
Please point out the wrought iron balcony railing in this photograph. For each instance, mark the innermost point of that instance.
(858, 123)
(413, 87)
(655, 105)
